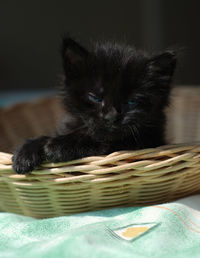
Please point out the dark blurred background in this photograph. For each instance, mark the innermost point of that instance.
(31, 34)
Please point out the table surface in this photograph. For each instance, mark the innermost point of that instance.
(8, 98)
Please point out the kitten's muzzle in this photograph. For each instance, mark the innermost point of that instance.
(111, 115)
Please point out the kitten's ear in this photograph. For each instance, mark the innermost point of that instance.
(74, 57)
(163, 64)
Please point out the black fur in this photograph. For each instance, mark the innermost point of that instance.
(116, 97)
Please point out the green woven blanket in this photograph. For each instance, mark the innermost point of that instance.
(168, 230)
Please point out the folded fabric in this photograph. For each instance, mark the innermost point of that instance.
(167, 230)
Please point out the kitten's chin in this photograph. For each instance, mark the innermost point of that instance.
(113, 128)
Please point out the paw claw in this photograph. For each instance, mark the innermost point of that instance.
(24, 164)
(25, 160)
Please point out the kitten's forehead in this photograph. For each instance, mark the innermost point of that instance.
(117, 54)
(116, 70)
(107, 85)
(111, 92)
(113, 61)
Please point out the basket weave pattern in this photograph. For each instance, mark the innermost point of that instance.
(142, 177)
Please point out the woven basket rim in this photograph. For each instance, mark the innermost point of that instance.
(147, 153)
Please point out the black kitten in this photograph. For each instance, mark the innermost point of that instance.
(116, 97)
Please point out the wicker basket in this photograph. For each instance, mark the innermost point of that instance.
(143, 177)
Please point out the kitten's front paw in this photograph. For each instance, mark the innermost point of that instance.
(55, 150)
(26, 159)
(24, 162)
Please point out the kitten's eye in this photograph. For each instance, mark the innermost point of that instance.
(94, 98)
(132, 103)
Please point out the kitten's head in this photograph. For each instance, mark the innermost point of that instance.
(114, 86)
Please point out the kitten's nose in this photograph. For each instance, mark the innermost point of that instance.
(111, 115)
